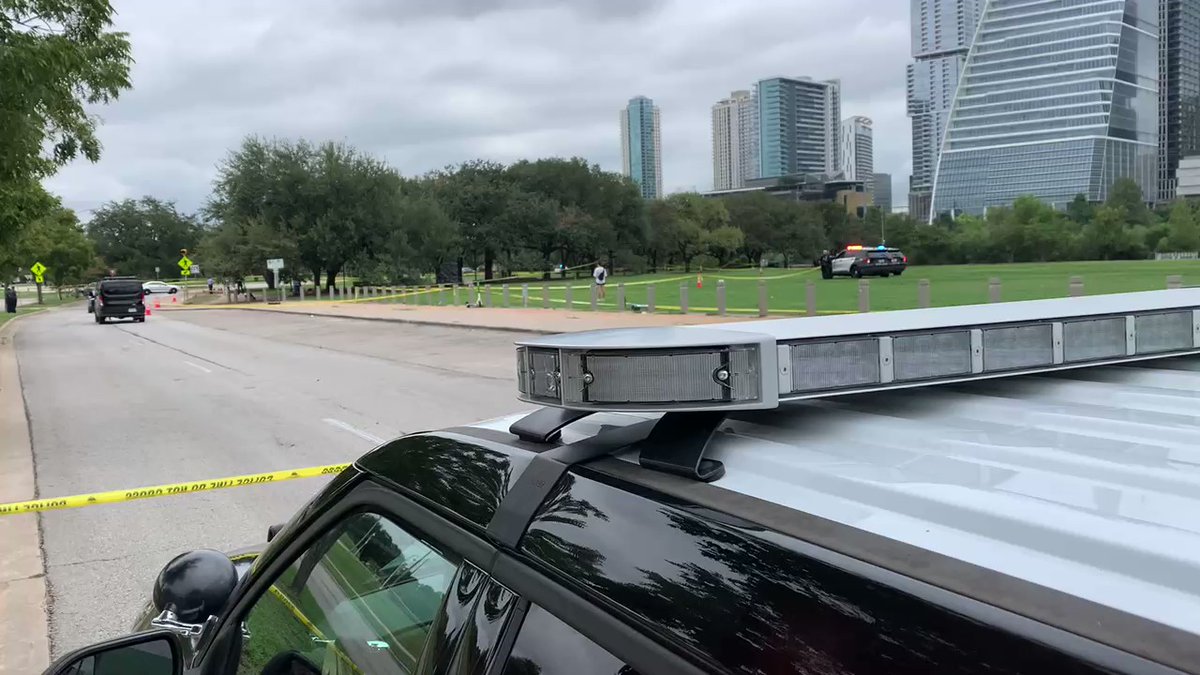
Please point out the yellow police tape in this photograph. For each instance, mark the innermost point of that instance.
(115, 496)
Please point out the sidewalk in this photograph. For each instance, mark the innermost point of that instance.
(492, 318)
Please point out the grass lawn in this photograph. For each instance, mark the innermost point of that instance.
(50, 299)
(949, 285)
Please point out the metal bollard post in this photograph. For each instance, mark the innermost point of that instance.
(650, 298)
(302, 292)
(1075, 287)
(864, 295)
(525, 295)
(441, 296)
(318, 288)
(1175, 281)
(568, 292)
(455, 295)
(487, 296)
(762, 297)
(505, 295)
(683, 298)
(923, 293)
(810, 298)
(545, 296)
(720, 297)
(342, 293)
(994, 289)
(620, 297)
(595, 295)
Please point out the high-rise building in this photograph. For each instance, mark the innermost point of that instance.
(798, 126)
(942, 31)
(735, 141)
(1057, 99)
(1179, 89)
(882, 196)
(641, 145)
(858, 151)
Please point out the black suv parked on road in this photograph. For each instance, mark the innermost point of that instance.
(119, 298)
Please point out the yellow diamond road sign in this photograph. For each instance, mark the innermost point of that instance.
(38, 269)
(185, 263)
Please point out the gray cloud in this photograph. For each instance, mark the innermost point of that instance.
(425, 84)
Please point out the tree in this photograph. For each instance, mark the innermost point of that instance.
(1106, 236)
(724, 243)
(1184, 232)
(56, 56)
(57, 241)
(1080, 210)
(134, 237)
(474, 195)
(1126, 194)
(755, 215)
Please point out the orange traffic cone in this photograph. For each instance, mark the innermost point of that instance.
(147, 311)
(174, 300)
(156, 305)
(699, 281)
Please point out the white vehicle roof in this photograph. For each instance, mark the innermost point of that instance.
(1084, 481)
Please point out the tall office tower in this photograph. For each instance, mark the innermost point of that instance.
(1179, 89)
(798, 126)
(1058, 98)
(735, 139)
(942, 31)
(858, 151)
(882, 196)
(641, 146)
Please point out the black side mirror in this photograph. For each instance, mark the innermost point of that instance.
(153, 652)
(195, 585)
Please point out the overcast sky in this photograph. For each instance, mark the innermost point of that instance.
(425, 83)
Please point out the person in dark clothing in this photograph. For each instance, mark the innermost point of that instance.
(10, 299)
(826, 264)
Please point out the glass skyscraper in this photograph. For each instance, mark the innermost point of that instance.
(799, 122)
(735, 140)
(1057, 98)
(942, 31)
(1179, 90)
(641, 146)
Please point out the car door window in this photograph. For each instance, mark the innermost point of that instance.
(363, 599)
(547, 646)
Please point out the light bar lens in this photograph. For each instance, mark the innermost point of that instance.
(1093, 339)
(662, 378)
(930, 355)
(1165, 332)
(1015, 347)
(836, 364)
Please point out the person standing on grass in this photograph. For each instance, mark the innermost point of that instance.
(600, 275)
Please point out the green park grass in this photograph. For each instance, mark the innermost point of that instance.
(949, 285)
(49, 299)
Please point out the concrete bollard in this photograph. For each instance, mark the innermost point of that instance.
(1175, 281)
(318, 287)
(683, 299)
(620, 297)
(545, 296)
(994, 289)
(1075, 287)
(454, 295)
(595, 296)
(487, 296)
(568, 304)
(720, 297)
(342, 293)
(810, 298)
(864, 295)
(762, 297)
(650, 299)
(525, 295)
(923, 293)
(504, 293)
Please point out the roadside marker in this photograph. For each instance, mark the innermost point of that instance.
(173, 300)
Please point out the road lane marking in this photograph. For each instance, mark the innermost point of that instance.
(357, 432)
(197, 366)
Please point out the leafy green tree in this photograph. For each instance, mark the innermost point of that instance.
(756, 215)
(475, 194)
(1080, 210)
(57, 241)
(1184, 231)
(724, 243)
(237, 249)
(1107, 236)
(56, 56)
(1126, 194)
(134, 237)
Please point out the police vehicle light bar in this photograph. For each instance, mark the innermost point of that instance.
(755, 364)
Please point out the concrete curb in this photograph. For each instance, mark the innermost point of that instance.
(300, 312)
(24, 624)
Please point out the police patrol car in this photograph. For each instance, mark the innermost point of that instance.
(858, 261)
(764, 497)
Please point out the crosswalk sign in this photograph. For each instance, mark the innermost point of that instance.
(38, 270)
(185, 266)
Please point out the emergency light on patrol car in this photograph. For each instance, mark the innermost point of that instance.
(755, 364)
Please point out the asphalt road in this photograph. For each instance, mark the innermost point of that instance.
(196, 395)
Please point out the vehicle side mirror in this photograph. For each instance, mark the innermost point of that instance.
(194, 586)
(149, 653)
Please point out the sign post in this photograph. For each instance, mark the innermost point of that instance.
(38, 270)
(276, 264)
